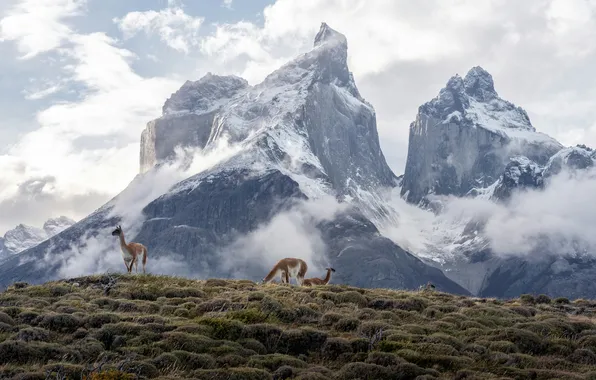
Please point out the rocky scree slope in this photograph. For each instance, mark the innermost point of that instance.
(304, 133)
(158, 327)
(23, 236)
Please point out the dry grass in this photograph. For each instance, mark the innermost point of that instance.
(144, 326)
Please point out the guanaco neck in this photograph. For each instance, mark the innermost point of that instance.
(122, 241)
(328, 277)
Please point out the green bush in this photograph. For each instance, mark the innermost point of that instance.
(64, 323)
(297, 341)
(232, 374)
(347, 324)
(274, 361)
(335, 347)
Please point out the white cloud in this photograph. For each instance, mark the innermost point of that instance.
(288, 234)
(558, 220)
(174, 27)
(227, 4)
(89, 146)
(37, 26)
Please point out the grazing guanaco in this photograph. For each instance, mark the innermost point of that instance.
(318, 281)
(131, 252)
(286, 268)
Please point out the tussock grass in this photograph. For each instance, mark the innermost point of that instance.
(145, 326)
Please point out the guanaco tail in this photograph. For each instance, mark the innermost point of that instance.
(318, 281)
(286, 268)
(131, 252)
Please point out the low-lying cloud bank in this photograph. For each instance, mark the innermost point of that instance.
(291, 233)
(560, 220)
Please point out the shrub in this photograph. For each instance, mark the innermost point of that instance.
(230, 360)
(582, 356)
(346, 324)
(249, 316)
(542, 298)
(365, 371)
(5, 318)
(299, 341)
(63, 370)
(17, 352)
(191, 361)
(110, 374)
(64, 323)
(527, 299)
(274, 361)
(334, 347)
(141, 368)
(232, 374)
(253, 344)
(329, 318)
(561, 300)
(526, 341)
(30, 334)
(384, 359)
(222, 328)
(98, 320)
(183, 293)
(352, 297)
(265, 333)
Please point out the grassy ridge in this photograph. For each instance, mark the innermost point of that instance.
(145, 326)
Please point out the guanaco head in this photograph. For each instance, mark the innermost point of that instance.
(117, 231)
(331, 269)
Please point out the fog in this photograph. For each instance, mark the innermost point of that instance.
(560, 220)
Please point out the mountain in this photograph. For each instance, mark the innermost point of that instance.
(462, 139)
(298, 166)
(22, 236)
(469, 143)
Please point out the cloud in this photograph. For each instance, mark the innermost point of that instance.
(403, 52)
(288, 234)
(558, 220)
(227, 4)
(37, 26)
(89, 145)
(99, 252)
(177, 29)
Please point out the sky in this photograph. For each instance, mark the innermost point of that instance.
(81, 78)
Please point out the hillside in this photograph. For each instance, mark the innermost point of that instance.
(172, 328)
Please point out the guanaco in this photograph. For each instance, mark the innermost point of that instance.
(131, 252)
(286, 268)
(318, 281)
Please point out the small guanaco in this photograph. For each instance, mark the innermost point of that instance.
(318, 281)
(286, 268)
(131, 252)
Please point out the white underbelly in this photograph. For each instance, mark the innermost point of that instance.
(126, 255)
(293, 272)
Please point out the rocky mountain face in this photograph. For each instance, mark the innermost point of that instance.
(303, 134)
(23, 236)
(468, 142)
(462, 139)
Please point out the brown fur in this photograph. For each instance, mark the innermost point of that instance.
(133, 249)
(287, 268)
(318, 281)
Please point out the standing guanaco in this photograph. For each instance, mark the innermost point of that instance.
(318, 281)
(286, 268)
(131, 252)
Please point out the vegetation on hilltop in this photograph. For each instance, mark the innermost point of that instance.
(145, 326)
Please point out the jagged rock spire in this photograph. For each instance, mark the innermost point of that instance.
(327, 34)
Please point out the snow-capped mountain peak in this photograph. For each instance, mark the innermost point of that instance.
(23, 236)
(479, 84)
(305, 119)
(329, 36)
